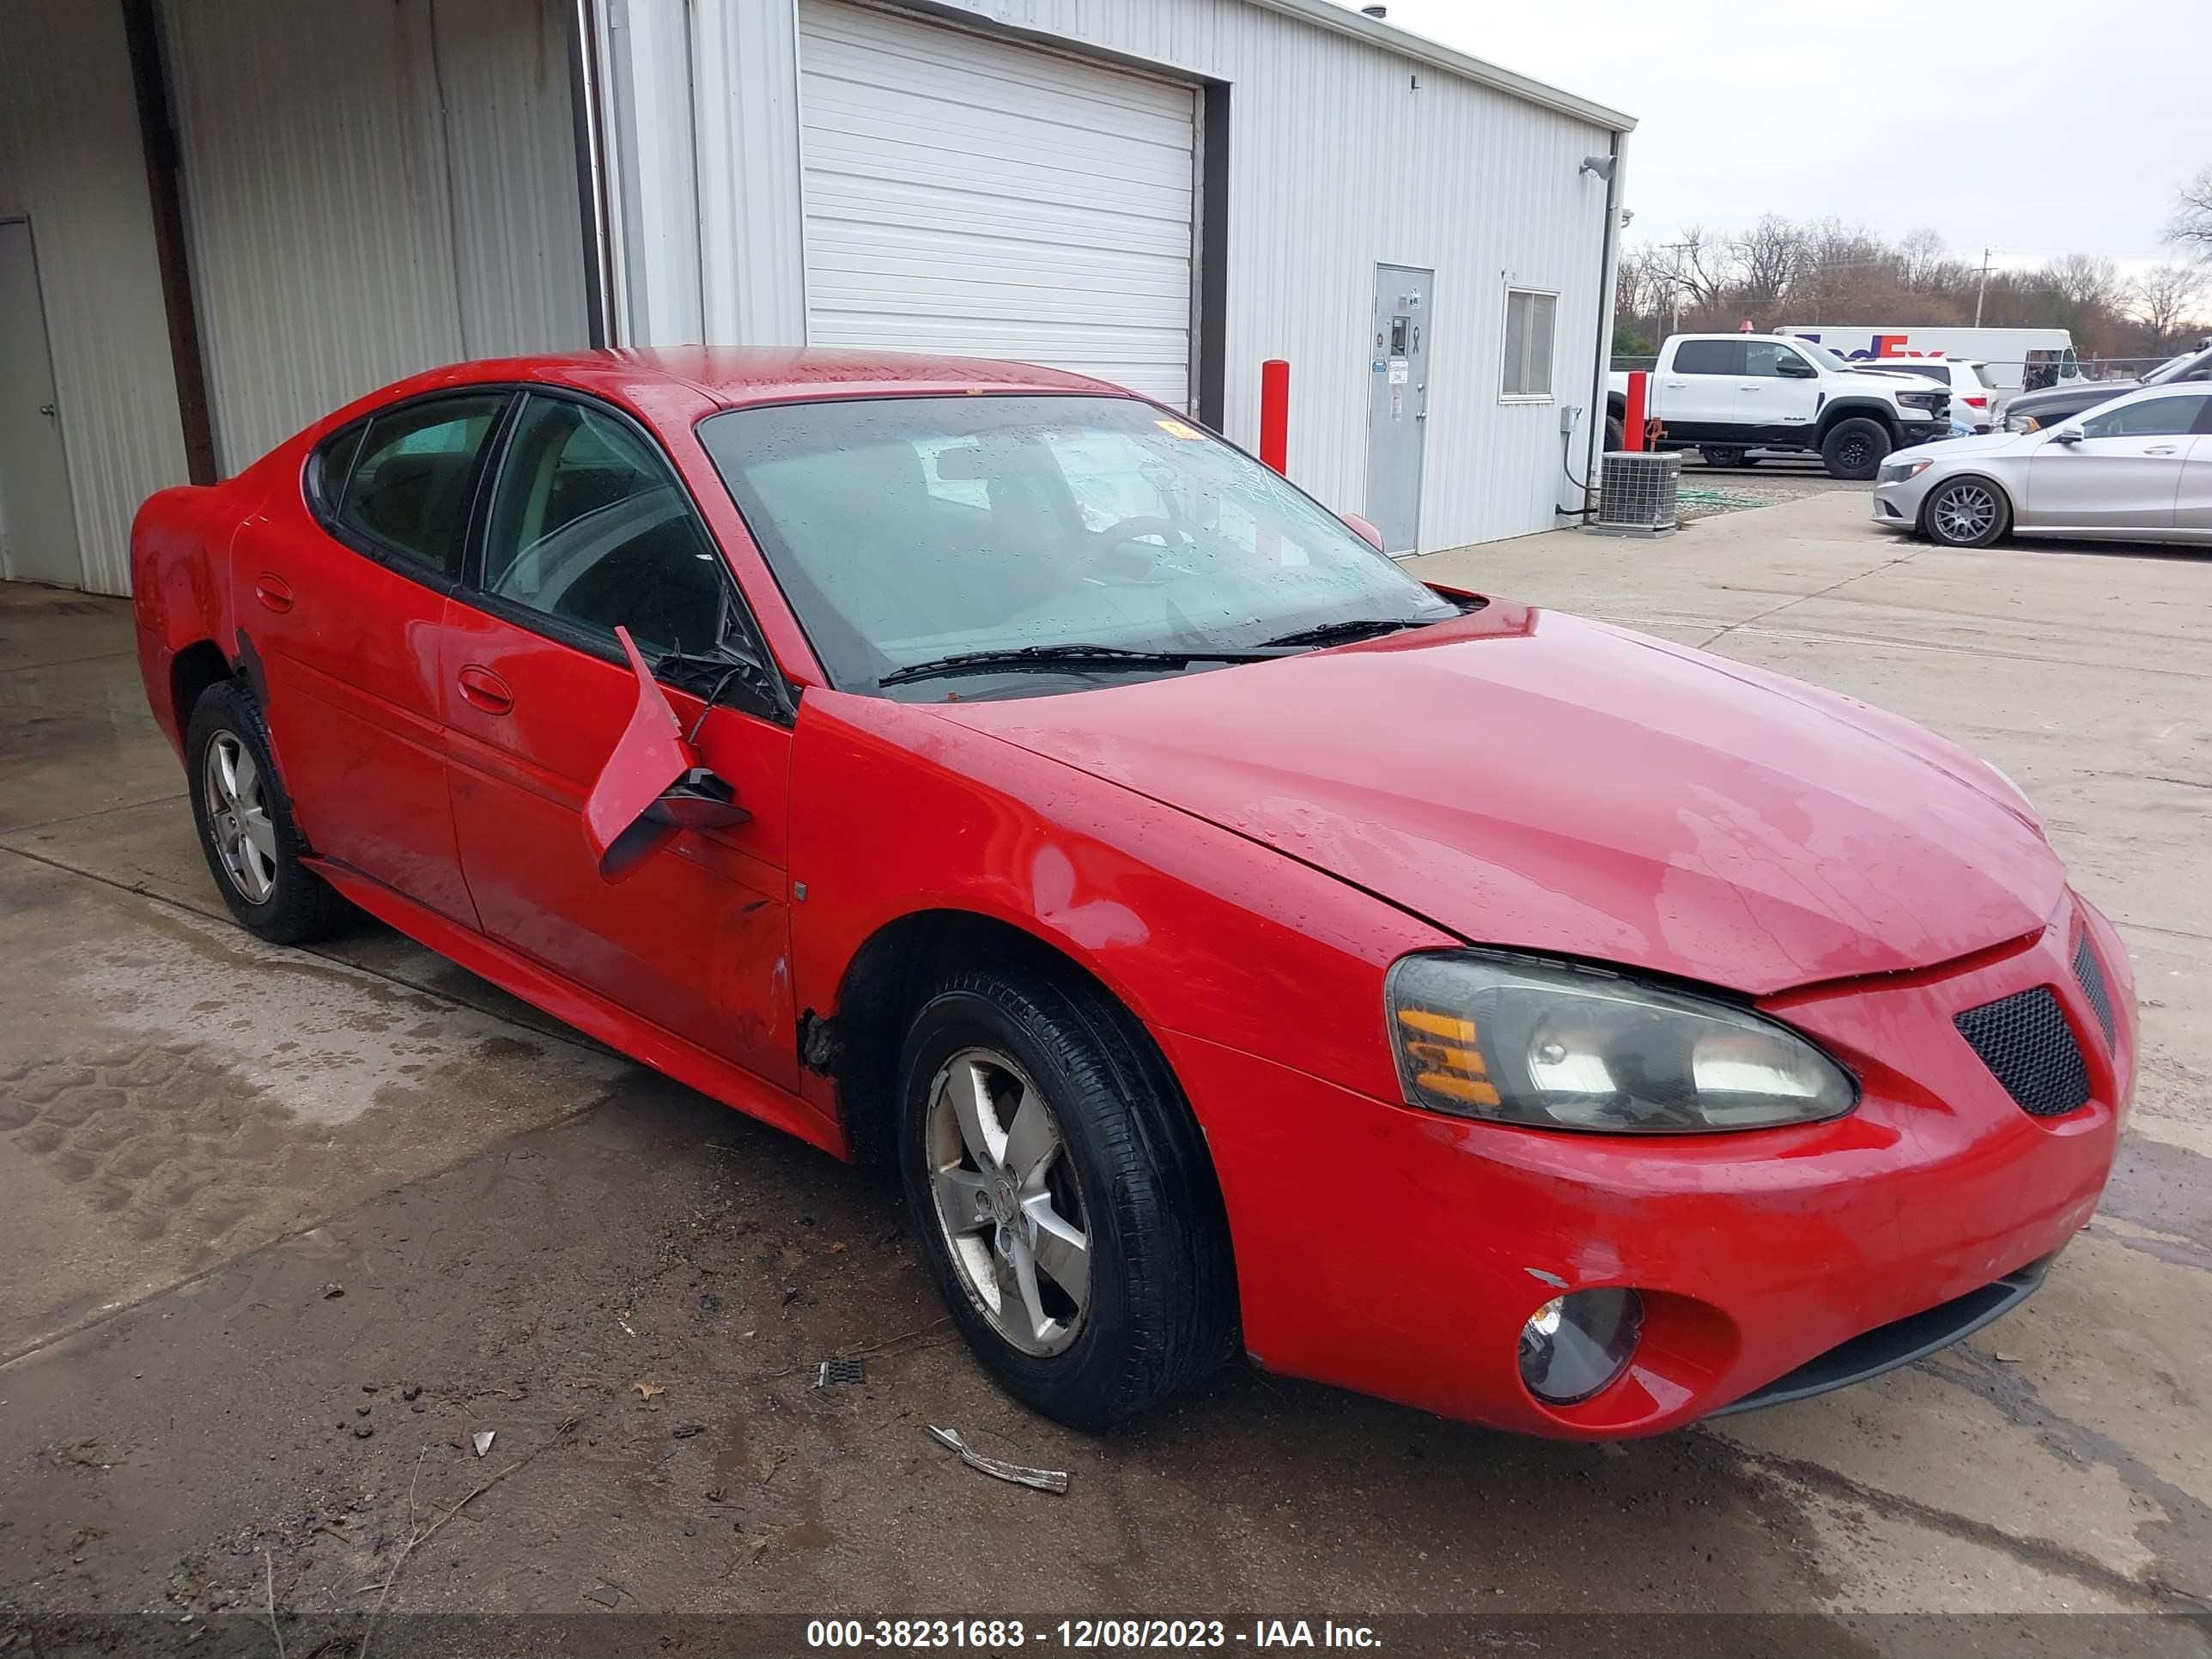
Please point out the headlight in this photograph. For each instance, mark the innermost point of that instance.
(1902, 471)
(1551, 1046)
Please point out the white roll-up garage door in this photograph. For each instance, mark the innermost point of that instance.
(965, 194)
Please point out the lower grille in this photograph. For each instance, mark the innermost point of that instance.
(2024, 1040)
(2091, 973)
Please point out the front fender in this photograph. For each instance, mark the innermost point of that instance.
(895, 811)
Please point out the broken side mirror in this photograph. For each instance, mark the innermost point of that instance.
(1366, 532)
(652, 786)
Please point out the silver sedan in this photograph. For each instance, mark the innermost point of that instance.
(2137, 469)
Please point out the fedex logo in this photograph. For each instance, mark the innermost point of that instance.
(1878, 347)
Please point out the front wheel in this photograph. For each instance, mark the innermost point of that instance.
(1068, 1212)
(1855, 448)
(1966, 513)
(1725, 454)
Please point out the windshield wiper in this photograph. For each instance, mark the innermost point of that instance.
(1343, 633)
(1061, 656)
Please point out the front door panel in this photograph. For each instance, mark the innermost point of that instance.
(696, 939)
(2107, 483)
(1398, 402)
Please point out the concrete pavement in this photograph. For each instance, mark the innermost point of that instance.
(200, 1137)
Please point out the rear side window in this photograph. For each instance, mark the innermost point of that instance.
(1940, 372)
(408, 490)
(1709, 357)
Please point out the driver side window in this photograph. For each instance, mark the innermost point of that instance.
(588, 525)
(2154, 417)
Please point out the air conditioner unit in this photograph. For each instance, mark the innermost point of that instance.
(1637, 493)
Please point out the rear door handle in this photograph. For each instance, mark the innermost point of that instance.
(485, 690)
(273, 592)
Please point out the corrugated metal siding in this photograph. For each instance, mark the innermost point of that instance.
(969, 194)
(70, 158)
(511, 140)
(330, 154)
(744, 90)
(1338, 162)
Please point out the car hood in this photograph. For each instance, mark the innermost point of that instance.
(1536, 780)
(1959, 449)
(2071, 398)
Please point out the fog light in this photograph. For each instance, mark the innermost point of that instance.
(1578, 1344)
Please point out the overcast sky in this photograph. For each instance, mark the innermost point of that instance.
(2034, 126)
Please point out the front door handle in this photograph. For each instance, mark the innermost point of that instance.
(485, 690)
(274, 593)
(2163, 449)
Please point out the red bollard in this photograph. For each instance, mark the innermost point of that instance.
(1632, 419)
(1275, 415)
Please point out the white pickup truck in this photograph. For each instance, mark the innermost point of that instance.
(1728, 394)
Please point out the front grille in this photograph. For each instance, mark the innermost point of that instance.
(2024, 1040)
(2091, 973)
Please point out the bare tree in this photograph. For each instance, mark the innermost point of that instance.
(2084, 281)
(1700, 267)
(1767, 258)
(2168, 297)
(1922, 259)
(2191, 226)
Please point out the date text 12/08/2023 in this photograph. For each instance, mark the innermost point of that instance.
(1002, 1634)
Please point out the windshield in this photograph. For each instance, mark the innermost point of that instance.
(2172, 368)
(909, 531)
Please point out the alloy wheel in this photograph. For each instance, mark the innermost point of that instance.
(237, 818)
(1007, 1201)
(1964, 512)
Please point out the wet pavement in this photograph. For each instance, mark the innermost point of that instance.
(287, 1230)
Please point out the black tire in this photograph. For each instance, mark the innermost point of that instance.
(1966, 512)
(1855, 448)
(1616, 435)
(299, 905)
(1160, 1313)
(1725, 454)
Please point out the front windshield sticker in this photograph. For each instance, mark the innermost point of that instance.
(1177, 429)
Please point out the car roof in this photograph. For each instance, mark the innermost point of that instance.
(733, 376)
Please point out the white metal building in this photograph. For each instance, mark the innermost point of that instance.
(217, 222)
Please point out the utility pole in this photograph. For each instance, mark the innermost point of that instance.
(1983, 288)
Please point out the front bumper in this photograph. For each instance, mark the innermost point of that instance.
(1897, 506)
(1397, 1252)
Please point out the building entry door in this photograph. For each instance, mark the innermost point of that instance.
(38, 522)
(1398, 402)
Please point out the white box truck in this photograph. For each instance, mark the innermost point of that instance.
(2018, 359)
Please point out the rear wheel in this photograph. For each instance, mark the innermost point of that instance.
(1068, 1212)
(1966, 513)
(1725, 455)
(252, 846)
(1616, 435)
(1855, 448)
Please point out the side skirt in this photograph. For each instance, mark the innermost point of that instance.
(630, 1034)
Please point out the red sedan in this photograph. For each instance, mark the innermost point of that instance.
(1232, 941)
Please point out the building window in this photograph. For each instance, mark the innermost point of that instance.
(1529, 318)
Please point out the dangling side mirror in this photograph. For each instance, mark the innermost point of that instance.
(653, 785)
(1366, 532)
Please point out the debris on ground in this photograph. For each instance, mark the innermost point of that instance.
(685, 1431)
(607, 1595)
(482, 1440)
(648, 1390)
(1051, 1480)
(844, 1372)
(332, 1289)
